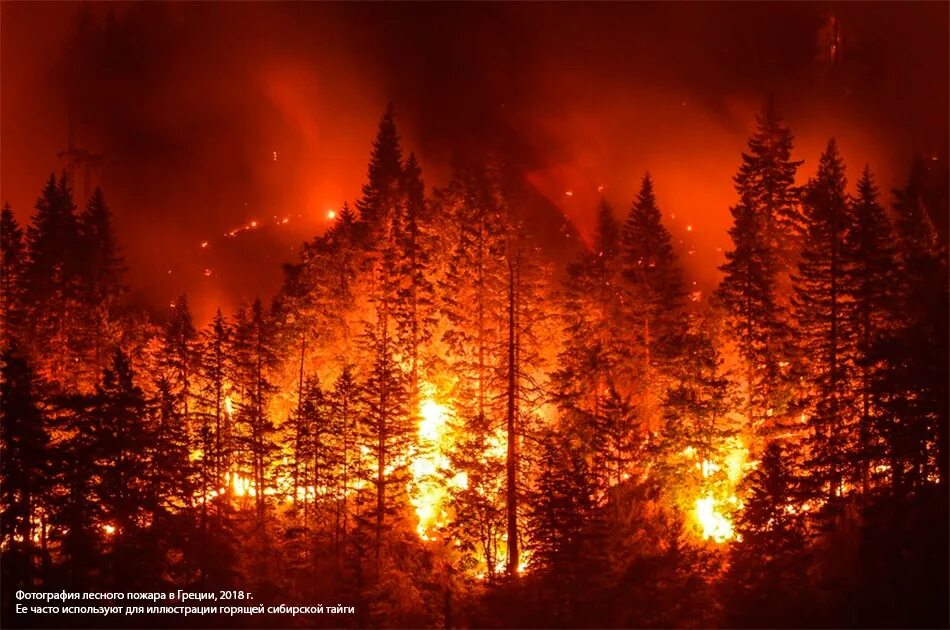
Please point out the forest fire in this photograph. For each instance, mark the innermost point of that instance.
(476, 392)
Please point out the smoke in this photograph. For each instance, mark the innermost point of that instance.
(210, 116)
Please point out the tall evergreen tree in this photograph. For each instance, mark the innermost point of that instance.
(591, 373)
(52, 280)
(913, 385)
(756, 280)
(655, 298)
(380, 198)
(821, 310)
(870, 289)
(386, 434)
(768, 561)
(12, 281)
(24, 470)
(102, 270)
(254, 362)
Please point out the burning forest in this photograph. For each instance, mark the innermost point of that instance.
(463, 406)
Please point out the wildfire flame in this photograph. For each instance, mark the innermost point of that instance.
(428, 488)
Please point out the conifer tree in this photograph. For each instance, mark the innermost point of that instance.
(52, 281)
(25, 468)
(102, 272)
(344, 409)
(698, 434)
(592, 372)
(179, 356)
(215, 368)
(824, 333)
(254, 362)
(913, 384)
(870, 289)
(561, 513)
(380, 195)
(12, 281)
(756, 281)
(386, 433)
(654, 303)
(768, 561)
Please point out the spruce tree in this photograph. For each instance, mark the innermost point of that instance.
(870, 288)
(913, 384)
(654, 278)
(756, 282)
(768, 562)
(823, 326)
(380, 195)
(102, 270)
(385, 433)
(255, 359)
(591, 373)
(12, 281)
(24, 470)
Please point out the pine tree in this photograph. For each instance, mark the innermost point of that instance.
(385, 433)
(102, 272)
(179, 356)
(471, 285)
(414, 311)
(768, 561)
(561, 513)
(870, 290)
(380, 198)
(655, 296)
(254, 362)
(699, 433)
(913, 385)
(591, 375)
(24, 470)
(344, 409)
(756, 281)
(215, 368)
(12, 282)
(125, 490)
(823, 326)
(52, 281)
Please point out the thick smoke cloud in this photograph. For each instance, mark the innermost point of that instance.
(191, 103)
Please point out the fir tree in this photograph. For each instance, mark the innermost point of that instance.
(24, 470)
(654, 303)
(651, 269)
(870, 290)
(913, 385)
(380, 198)
(756, 281)
(592, 372)
(12, 281)
(823, 331)
(386, 434)
(254, 362)
(102, 272)
(768, 562)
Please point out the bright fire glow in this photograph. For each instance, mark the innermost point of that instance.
(714, 524)
(428, 488)
(717, 502)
